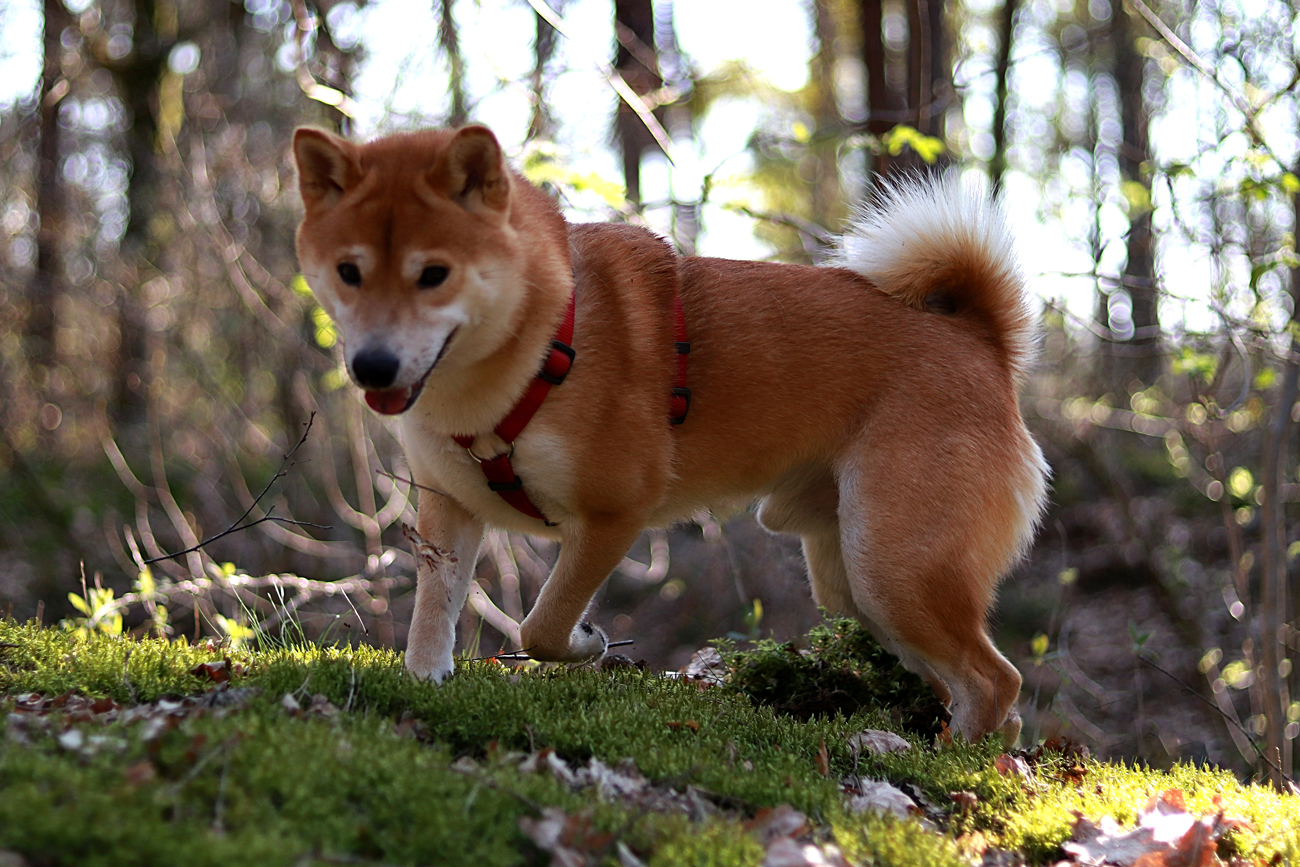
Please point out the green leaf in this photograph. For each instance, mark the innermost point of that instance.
(326, 336)
(926, 147)
(1137, 197)
(1240, 481)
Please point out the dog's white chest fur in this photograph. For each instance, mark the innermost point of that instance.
(540, 459)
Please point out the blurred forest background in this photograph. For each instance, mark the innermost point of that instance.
(160, 355)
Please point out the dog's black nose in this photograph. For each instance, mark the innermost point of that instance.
(375, 367)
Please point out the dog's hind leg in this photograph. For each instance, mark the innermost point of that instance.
(832, 591)
(552, 631)
(826, 573)
(445, 555)
(922, 553)
(804, 502)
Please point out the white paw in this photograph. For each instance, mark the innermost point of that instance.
(429, 668)
(587, 642)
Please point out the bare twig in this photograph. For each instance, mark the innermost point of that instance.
(198, 587)
(238, 524)
(1238, 100)
(496, 618)
(523, 654)
(1176, 679)
(616, 81)
(413, 484)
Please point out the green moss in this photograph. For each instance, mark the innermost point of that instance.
(1039, 821)
(844, 670)
(254, 784)
(886, 841)
(717, 844)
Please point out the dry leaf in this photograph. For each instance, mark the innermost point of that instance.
(621, 782)
(874, 742)
(140, 773)
(1166, 836)
(322, 707)
(770, 823)
(785, 852)
(1008, 765)
(706, 665)
(965, 801)
(571, 840)
(823, 760)
(216, 671)
(881, 797)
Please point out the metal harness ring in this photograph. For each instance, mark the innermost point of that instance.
(470, 449)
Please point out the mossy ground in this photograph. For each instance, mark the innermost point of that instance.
(400, 772)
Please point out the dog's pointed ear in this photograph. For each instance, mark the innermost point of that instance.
(472, 171)
(327, 166)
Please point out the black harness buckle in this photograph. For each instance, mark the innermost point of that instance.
(546, 374)
(685, 394)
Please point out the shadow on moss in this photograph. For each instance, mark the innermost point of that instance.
(843, 670)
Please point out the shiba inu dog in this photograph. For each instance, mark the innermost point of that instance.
(870, 408)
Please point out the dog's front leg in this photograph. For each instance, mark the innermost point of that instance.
(445, 554)
(552, 631)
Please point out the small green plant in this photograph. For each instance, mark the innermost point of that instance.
(102, 613)
(843, 670)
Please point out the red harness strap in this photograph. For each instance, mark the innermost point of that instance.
(498, 471)
(680, 402)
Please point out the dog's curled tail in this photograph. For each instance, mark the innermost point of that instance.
(942, 246)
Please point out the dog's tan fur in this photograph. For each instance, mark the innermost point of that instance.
(873, 411)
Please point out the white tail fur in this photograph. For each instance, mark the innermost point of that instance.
(923, 237)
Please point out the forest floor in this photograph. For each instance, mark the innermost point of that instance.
(141, 751)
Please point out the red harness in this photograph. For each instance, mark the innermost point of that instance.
(500, 475)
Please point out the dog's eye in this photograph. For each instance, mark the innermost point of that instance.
(432, 276)
(350, 274)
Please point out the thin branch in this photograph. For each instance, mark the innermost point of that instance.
(285, 465)
(616, 81)
(1176, 679)
(1238, 100)
(233, 529)
(523, 654)
(413, 483)
(198, 587)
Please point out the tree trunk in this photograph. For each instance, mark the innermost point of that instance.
(541, 124)
(449, 39)
(823, 151)
(137, 81)
(636, 60)
(1006, 33)
(1274, 607)
(1142, 361)
(43, 290)
(881, 106)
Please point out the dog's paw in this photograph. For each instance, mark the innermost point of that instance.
(433, 670)
(587, 642)
(1010, 729)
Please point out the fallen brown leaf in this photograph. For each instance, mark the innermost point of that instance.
(823, 760)
(216, 671)
(140, 773)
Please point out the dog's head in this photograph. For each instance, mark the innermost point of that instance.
(408, 245)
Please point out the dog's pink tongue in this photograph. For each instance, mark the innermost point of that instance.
(389, 402)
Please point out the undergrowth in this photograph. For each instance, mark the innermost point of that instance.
(843, 670)
(336, 755)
